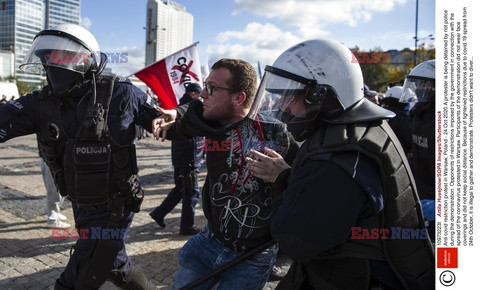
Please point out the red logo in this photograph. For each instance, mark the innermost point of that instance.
(447, 257)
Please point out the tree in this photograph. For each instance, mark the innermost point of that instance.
(397, 72)
(23, 87)
(378, 71)
(374, 65)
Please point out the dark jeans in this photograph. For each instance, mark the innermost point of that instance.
(203, 253)
(189, 201)
(90, 223)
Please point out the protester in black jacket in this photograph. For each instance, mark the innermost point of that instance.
(237, 205)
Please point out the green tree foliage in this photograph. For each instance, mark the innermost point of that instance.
(378, 70)
(375, 75)
(374, 65)
(23, 87)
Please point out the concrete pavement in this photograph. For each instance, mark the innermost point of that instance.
(31, 259)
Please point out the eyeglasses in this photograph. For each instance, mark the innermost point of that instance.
(211, 88)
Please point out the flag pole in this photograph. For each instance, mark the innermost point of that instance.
(185, 48)
(259, 69)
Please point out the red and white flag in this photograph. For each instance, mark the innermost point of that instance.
(168, 77)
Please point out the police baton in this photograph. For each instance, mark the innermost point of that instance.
(228, 265)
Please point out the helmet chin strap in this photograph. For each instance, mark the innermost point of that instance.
(76, 86)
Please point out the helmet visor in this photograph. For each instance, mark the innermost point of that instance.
(279, 94)
(417, 90)
(56, 51)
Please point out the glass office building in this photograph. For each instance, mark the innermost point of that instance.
(21, 20)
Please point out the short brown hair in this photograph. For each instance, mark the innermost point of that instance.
(244, 77)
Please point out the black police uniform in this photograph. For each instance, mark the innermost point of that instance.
(422, 118)
(350, 176)
(401, 126)
(128, 106)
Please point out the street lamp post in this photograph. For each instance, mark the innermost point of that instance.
(416, 33)
(430, 36)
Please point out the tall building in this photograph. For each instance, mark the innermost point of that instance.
(7, 61)
(62, 11)
(21, 20)
(169, 28)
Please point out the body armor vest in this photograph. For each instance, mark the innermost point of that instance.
(91, 167)
(412, 259)
(423, 150)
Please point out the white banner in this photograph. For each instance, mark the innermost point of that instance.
(183, 68)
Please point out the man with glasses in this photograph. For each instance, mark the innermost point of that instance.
(236, 204)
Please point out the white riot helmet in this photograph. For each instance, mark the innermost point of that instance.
(394, 92)
(419, 84)
(324, 78)
(66, 46)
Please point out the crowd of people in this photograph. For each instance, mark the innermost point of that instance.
(4, 99)
(316, 173)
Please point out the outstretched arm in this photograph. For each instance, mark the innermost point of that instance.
(19, 118)
(266, 166)
(161, 124)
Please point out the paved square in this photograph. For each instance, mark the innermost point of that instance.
(31, 259)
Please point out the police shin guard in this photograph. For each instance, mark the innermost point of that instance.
(135, 280)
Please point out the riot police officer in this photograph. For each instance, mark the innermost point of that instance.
(419, 85)
(350, 186)
(85, 124)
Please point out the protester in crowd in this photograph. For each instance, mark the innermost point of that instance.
(3, 101)
(236, 205)
(342, 209)
(400, 124)
(186, 160)
(85, 124)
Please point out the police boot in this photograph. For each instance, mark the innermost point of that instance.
(135, 280)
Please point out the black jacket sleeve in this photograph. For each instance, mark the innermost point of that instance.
(19, 117)
(316, 210)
